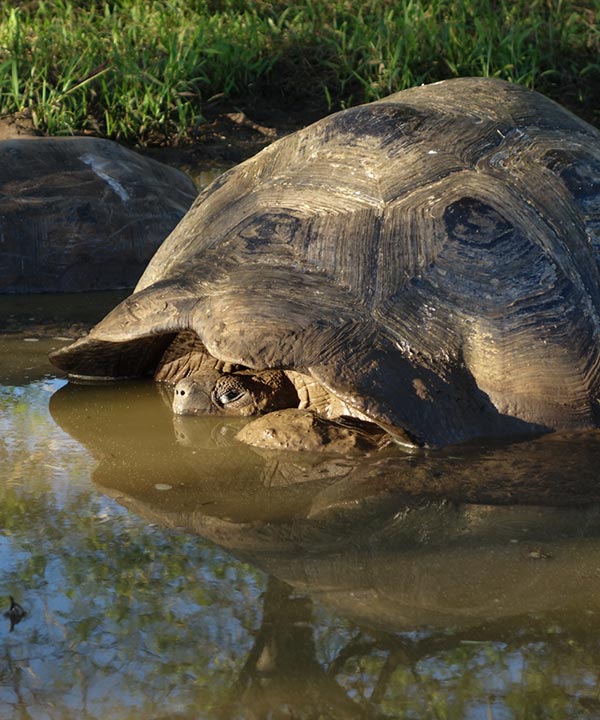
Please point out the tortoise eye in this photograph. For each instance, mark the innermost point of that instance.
(230, 396)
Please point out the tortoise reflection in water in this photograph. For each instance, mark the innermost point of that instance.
(427, 263)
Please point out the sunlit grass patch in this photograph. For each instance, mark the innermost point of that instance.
(145, 71)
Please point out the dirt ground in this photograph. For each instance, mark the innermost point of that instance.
(224, 138)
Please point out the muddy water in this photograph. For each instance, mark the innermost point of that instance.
(168, 572)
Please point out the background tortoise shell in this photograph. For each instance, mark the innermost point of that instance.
(82, 213)
(431, 258)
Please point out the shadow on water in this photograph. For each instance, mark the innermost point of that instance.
(169, 572)
(470, 575)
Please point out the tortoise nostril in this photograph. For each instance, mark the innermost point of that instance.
(181, 392)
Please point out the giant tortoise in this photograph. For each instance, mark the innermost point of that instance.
(427, 263)
(82, 213)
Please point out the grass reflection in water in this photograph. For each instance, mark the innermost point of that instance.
(166, 574)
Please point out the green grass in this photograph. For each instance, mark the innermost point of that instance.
(146, 71)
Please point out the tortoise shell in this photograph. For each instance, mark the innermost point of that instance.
(430, 258)
(82, 213)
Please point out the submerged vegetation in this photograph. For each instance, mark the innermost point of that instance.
(149, 71)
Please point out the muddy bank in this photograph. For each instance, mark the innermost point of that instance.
(222, 140)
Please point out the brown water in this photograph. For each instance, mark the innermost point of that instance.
(169, 573)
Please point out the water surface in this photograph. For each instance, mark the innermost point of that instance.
(168, 572)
